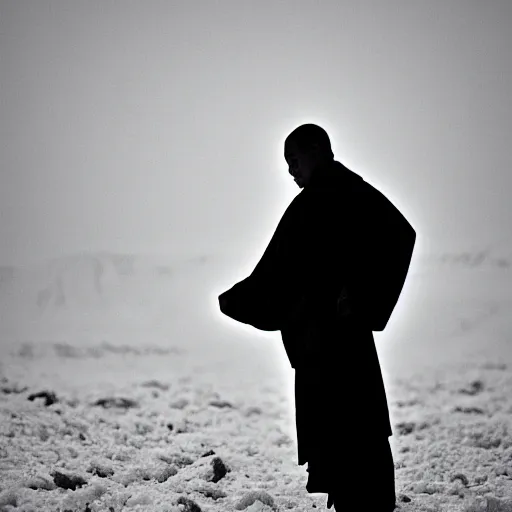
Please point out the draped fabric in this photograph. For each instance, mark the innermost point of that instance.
(338, 233)
(331, 274)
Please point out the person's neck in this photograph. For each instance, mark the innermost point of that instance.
(324, 165)
(322, 169)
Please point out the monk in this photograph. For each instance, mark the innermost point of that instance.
(332, 274)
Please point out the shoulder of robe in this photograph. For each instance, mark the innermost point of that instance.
(296, 206)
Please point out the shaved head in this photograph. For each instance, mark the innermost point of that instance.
(305, 149)
(310, 136)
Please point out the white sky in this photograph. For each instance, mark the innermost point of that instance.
(157, 126)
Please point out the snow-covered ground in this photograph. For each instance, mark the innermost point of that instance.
(122, 386)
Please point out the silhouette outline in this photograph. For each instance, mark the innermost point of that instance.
(332, 274)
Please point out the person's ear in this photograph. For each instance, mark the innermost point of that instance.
(315, 150)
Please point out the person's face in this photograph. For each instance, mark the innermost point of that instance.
(300, 163)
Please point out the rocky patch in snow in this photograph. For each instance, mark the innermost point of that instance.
(111, 448)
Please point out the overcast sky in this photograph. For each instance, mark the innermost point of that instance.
(158, 126)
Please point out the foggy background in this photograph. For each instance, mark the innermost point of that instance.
(158, 127)
(142, 168)
(142, 174)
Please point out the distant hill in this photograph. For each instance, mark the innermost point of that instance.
(97, 294)
(471, 258)
(91, 297)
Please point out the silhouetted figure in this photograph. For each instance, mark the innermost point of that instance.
(331, 274)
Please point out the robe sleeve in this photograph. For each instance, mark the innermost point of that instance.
(262, 298)
(385, 245)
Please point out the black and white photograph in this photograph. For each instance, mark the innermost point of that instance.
(255, 255)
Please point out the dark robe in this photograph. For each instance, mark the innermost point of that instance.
(330, 275)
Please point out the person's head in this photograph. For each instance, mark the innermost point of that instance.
(305, 149)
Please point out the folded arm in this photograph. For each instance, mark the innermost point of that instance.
(263, 298)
